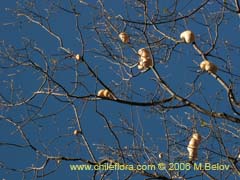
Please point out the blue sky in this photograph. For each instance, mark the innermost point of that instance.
(49, 121)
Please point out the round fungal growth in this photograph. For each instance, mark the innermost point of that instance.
(124, 37)
(203, 64)
(143, 52)
(208, 66)
(145, 63)
(78, 57)
(187, 36)
(160, 155)
(145, 60)
(76, 132)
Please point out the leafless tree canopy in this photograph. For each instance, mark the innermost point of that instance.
(76, 88)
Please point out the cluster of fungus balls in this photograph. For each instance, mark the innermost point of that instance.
(145, 62)
(145, 59)
(188, 37)
(105, 93)
(193, 146)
